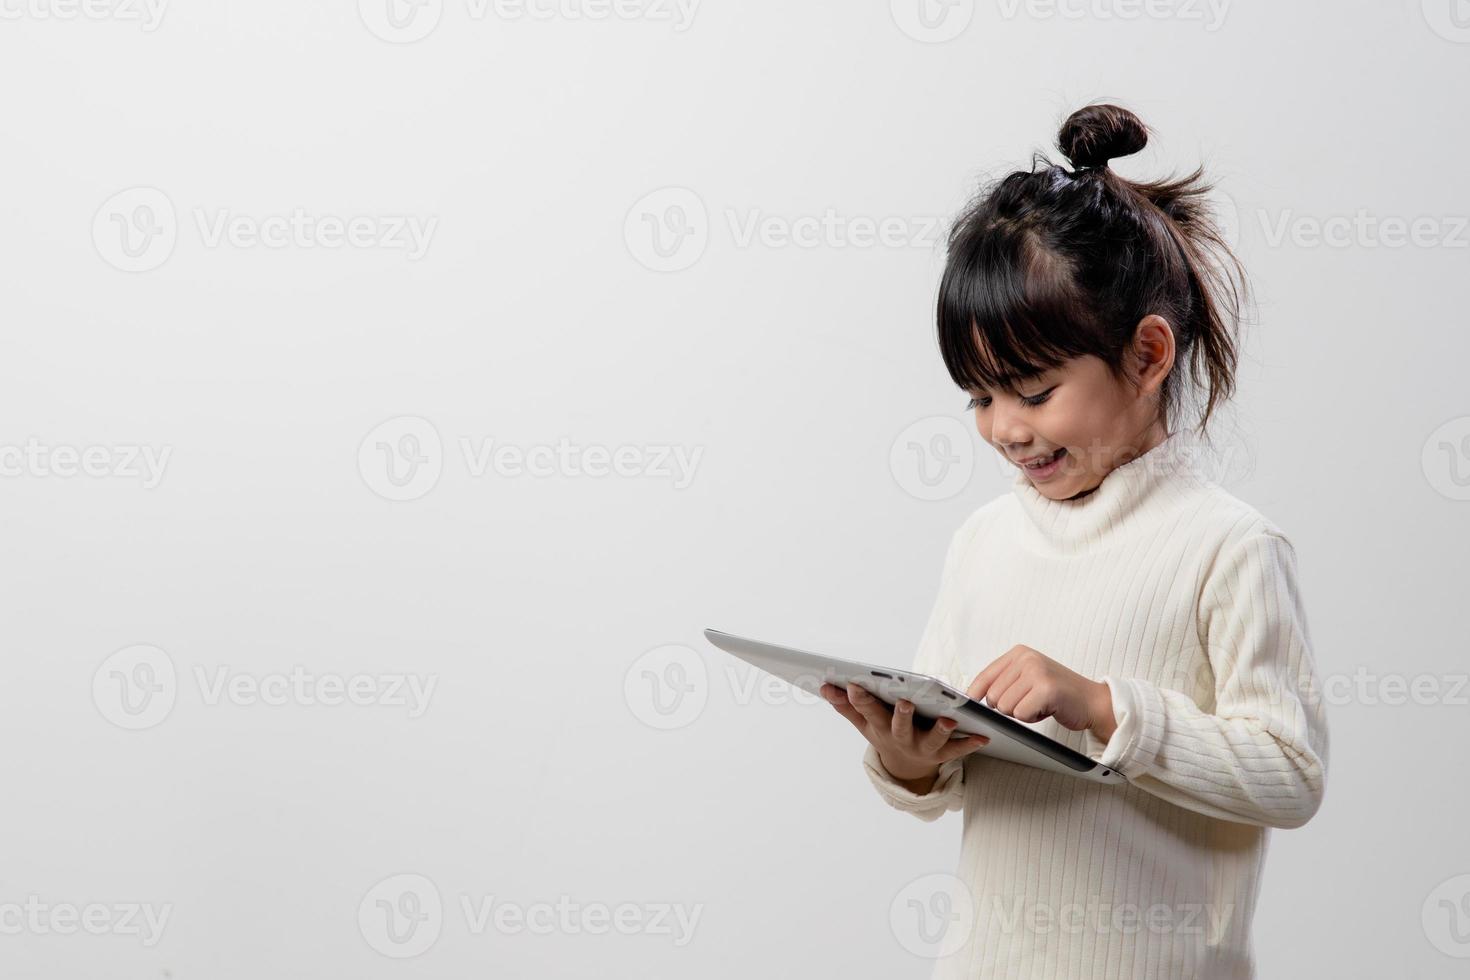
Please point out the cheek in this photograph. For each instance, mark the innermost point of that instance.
(1070, 418)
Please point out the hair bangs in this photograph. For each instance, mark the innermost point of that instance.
(1004, 314)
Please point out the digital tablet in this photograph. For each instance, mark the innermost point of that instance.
(932, 699)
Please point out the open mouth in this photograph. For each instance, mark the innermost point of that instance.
(1046, 466)
(1041, 463)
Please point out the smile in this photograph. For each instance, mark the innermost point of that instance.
(1047, 465)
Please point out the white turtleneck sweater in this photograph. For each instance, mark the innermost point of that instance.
(1184, 601)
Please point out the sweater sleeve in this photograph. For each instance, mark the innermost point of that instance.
(934, 656)
(1260, 756)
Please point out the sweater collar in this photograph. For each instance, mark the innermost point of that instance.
(1127, 493)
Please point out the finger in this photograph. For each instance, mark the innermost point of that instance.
(903, 720)
(935, 738)
(833, 694)
(983, 680)
(1035, 705)
(1002, 685)
(851, 714)
(1018, 689)
(962, 746)
(872, 709)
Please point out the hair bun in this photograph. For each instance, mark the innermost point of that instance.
(1095, 134)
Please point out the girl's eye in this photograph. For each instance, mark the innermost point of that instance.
(984, 400)
(1035, 400)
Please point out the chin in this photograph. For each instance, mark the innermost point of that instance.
(1062, 489)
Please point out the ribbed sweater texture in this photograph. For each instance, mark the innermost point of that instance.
(1185, 601)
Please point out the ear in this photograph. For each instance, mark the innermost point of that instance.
(1152, 353)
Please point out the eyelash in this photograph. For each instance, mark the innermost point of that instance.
(1031, 402)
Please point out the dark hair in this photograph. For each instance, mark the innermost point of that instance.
(1049, 264)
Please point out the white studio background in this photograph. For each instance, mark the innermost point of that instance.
(290, 287)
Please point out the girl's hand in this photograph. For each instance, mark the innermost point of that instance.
(909, 755)
(1029, 686)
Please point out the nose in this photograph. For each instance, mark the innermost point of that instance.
(1007, 428)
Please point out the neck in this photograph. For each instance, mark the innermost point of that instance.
(1141, 489)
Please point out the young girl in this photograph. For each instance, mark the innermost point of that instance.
(1116, 598)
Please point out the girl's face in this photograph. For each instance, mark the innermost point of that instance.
(1076, 420)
